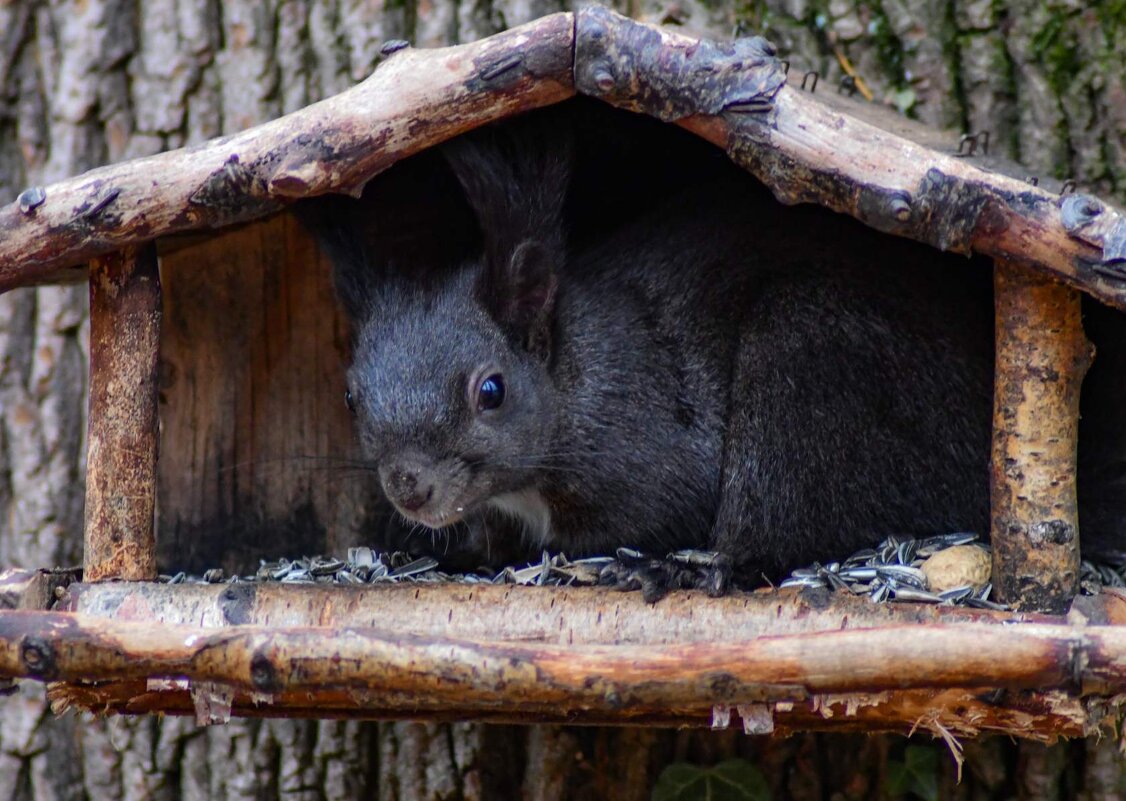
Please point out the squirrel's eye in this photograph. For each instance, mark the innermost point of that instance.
(350, 401)
(491, 393)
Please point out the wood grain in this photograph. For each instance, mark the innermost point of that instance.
(257, 445)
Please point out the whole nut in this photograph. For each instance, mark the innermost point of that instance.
(959, 566)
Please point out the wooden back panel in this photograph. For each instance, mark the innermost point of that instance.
(256, 441)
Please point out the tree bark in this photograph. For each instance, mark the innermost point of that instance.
(93, 82)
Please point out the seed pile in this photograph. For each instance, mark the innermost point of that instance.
(1093, 576)
(368, 566)
(363, 566)
(892, 570)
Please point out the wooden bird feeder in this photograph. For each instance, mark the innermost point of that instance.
(171, 231)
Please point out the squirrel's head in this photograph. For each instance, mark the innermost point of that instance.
(450, 381)
(451, 391)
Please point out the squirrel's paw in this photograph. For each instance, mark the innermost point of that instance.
(688, 569)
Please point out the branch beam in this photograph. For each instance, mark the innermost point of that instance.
(804, 148)
(394, 670)
(415, 99)
(779, 661)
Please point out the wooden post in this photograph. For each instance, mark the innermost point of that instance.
(1042, 356)
(125, 312)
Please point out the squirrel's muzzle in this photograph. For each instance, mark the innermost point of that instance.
(418, 488)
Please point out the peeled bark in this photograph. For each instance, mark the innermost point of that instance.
(802, 150)
(125, 310)
(414, 100)
(1042, 356)
(777, 661)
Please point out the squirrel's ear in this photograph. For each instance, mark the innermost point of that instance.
(520, 295)
(332, 220)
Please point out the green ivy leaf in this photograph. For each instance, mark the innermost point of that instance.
(677, 781)
(905, 100)
(917, 774)
(899, 780)
(922, 764)
(733, 780)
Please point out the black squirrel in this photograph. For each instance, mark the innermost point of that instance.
(648, 351)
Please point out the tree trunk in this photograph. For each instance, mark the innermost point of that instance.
(86, 83)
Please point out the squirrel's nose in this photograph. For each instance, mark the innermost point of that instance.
(416, 499)
(409, 487)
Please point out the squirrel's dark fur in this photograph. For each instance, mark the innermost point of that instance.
(685, 363)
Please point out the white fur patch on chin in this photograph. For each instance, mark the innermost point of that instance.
(528, 507)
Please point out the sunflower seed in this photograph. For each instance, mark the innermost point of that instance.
(694, 558)
(915, 594)
(955, 595)
(415, 567)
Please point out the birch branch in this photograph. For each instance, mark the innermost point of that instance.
(589, 655)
